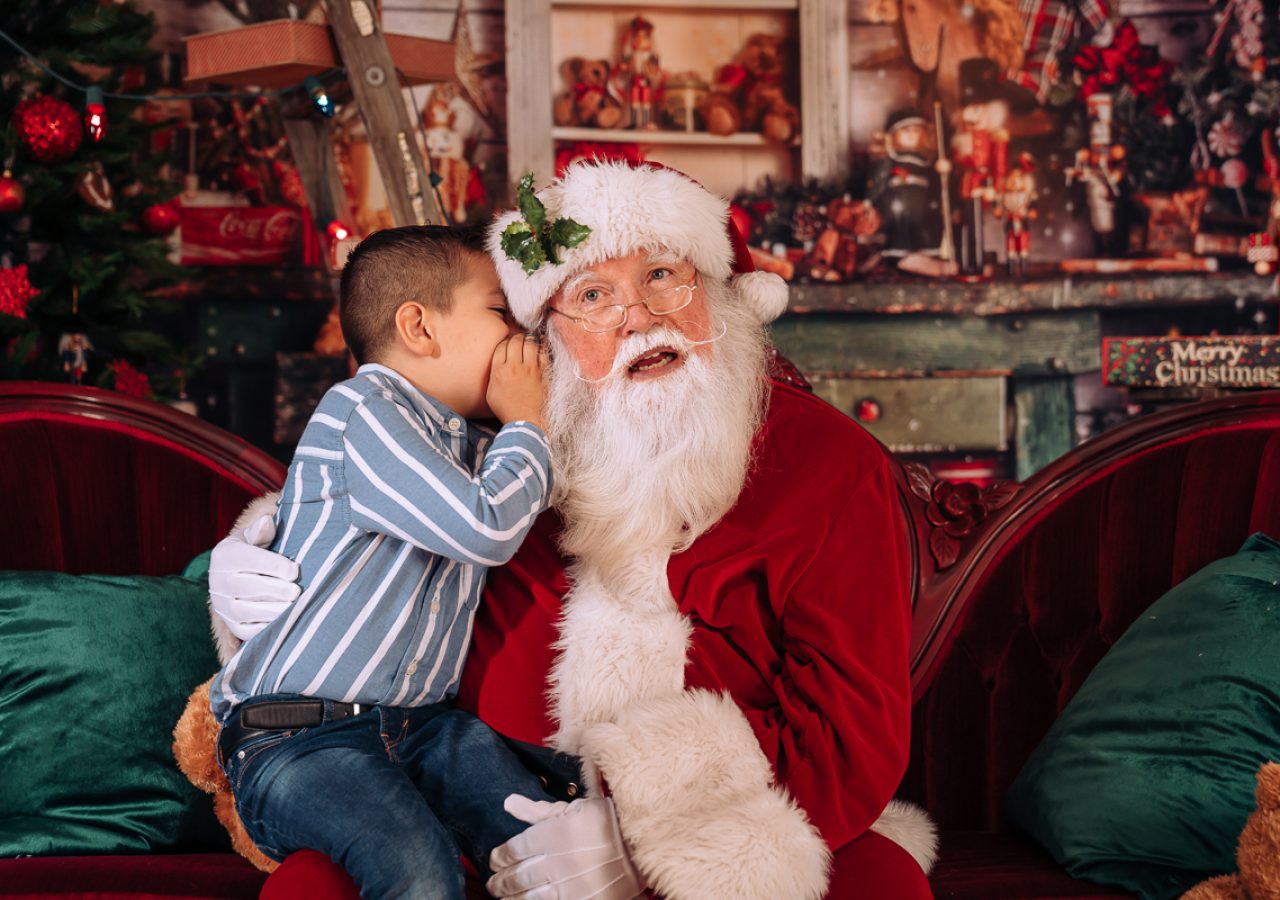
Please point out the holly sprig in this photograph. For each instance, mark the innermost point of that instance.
(530, 240)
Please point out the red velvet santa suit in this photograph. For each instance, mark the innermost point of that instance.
(798, 605)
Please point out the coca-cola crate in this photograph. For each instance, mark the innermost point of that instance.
(283, 52)
(239, 235)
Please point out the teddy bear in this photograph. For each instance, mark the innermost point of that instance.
(1257, 853)
(195, 741)
(588, 100)
(748, 93)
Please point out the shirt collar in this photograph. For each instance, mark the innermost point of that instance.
(439, 414)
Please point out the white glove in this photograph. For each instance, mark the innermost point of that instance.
(570, 851)
(248, 585)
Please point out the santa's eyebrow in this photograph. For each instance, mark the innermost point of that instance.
(670, 257)
(572, 284)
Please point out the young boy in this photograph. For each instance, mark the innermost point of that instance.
(337, 731)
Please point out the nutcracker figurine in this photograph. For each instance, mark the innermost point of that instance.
(1016, 208)
(74, 349)
(981, 149)
(1101, 168)
(638, 76)
(904, 186)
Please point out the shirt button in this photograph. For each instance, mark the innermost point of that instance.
(571, 790)
(435, 607)
(455, 423)
(413, 667)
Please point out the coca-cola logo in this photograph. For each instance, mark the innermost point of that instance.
(248, 225)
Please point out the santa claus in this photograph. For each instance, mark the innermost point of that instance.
(713, 619)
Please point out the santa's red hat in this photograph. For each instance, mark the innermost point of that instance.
(630, 207)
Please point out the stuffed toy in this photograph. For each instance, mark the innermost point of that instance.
(588, 101)
(748, 93)
(446, 147)
(835, 254)
(1258, 852)
(195, 742)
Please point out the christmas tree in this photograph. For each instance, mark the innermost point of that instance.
(83, 208)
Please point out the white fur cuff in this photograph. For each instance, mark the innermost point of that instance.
(697, 804)
(910, 827)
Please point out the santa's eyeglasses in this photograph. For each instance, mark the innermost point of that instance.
(612, 316)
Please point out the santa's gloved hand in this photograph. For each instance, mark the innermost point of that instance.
(569, 851)
(248, 585)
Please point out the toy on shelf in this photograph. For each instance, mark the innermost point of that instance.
(1101, 167)
(904, 186)
(682, 102)
(446, 148)
(1017, 210)
(638, 76)
(837, 253)
(748, 94)
(981, 149)
(588, 102)
(1264, 245)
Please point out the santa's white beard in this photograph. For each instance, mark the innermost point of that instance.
(642, 468)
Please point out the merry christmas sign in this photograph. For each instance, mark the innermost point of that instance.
(1251, 361)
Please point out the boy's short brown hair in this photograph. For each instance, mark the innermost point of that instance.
(414, 262)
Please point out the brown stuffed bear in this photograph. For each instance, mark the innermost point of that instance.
(748, 93)
(195, 742)
(1258, 852)
(588, 101)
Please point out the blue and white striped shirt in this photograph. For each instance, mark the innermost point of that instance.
(394, 508)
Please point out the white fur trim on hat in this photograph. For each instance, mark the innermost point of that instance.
(628, 208)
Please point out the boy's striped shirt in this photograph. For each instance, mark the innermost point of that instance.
(394, 507)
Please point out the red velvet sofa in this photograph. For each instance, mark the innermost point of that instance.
(1018, 590)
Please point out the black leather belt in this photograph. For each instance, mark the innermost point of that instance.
(254, 719)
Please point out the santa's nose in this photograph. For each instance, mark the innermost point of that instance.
(639, 319)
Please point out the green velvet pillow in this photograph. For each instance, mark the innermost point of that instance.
(1147, 777)
(94, 672)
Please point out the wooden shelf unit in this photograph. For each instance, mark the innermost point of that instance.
(533, 81)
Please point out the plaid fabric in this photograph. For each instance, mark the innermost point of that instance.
(1049, 26)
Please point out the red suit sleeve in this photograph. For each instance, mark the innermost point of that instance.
(838, 734)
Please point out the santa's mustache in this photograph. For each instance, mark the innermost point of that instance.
(661, 337)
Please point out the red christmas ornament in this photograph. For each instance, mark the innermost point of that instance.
(130, 381)
(12, 195)
(161, 218)
(16, 292)
(49, 128)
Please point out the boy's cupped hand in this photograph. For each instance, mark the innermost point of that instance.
(517, 380)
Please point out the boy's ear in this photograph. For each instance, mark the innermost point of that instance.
(416, 328)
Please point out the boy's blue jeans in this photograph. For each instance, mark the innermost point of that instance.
(392, 795)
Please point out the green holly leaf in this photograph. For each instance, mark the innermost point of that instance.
(522, 245)
(515, 236)
(531, 207)
(567, 233)
(532, 256)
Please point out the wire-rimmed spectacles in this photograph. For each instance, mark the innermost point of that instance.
(613, 316)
